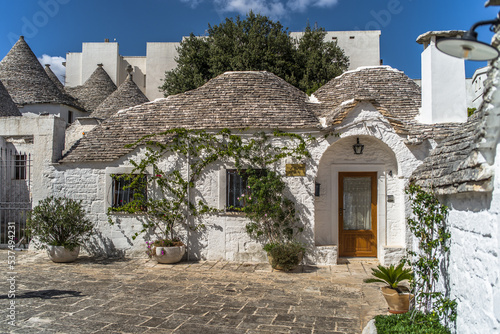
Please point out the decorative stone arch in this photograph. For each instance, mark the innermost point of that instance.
(384, 153)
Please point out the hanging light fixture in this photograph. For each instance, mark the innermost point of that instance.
(358, 148)
(468, 47)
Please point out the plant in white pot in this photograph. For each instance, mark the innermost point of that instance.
(396, 295)
(60, 225)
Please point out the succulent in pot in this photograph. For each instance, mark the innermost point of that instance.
(60, 226)
(396, 295)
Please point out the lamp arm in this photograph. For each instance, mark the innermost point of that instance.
(483, 23)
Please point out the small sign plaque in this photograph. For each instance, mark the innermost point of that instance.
(295, 169)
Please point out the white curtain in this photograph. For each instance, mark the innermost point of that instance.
(357, 203)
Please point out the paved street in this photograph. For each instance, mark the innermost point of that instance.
(140, 296)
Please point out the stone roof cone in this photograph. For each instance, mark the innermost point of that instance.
(233, 100)
(126, 96)
(54, 78)
(7, 106)
(95, 90)
(26, 81)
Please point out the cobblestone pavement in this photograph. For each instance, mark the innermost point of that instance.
(139, 296)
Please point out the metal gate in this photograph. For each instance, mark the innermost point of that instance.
(15, 195)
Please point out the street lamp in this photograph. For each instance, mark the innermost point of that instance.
(468, 47)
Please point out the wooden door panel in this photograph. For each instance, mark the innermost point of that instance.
(358, 242)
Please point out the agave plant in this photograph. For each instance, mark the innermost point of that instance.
(390, 275)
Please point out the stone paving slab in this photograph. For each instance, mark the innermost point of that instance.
(139, 296)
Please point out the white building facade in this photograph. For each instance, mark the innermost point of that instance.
(362, 48)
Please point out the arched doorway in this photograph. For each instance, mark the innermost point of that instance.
(352, 211)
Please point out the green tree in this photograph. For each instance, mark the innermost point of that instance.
(255, 43)
(318, 61)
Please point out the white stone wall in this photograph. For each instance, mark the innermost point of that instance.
(473, 273)
(223, 238)
(160, 57)
(472, 276)
(47, 133)
(60, 110)
(362, 47)
(444, 96)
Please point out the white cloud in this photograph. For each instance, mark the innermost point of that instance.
(192, 3)
(55, 65)
(325, 3)
(271, 8)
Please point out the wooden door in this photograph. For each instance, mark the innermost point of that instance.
(358, 214)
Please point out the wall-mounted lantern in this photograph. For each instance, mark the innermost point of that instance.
(468, 47)
(317, 187)
(358, 148)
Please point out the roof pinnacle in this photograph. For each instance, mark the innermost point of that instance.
(129, 70)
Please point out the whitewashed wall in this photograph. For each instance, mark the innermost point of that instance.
(225, 236)
(45, 144)
(472, 276)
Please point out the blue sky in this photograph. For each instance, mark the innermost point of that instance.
(54, 27)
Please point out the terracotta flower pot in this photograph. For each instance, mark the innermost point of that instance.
(398, 302)
(60, 254)
(169, 254)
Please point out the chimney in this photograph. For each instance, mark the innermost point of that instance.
(444, 96)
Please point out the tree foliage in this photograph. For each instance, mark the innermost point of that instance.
(59, 222)
(256, 43)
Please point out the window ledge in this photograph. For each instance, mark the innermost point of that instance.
(119, 213)
(232, 213)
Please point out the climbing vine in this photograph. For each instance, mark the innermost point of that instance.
(171, 203)
(428, 226)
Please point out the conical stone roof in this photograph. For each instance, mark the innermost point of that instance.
(54, 78)
(26, 81)
(95, 90)
(126, 96)
(233, 100)
(7, 106)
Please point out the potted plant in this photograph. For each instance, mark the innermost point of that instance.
(160, 213)
(285, 256)
(273, 219)
(396, 295)
(59, 224)
(164, 215)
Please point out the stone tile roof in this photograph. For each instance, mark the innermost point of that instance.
(54, 78)
(337, 115)
(395, 93)
(454, 165)
(95, 90)
(233, 100)
(7, 106)
(26, 81)
(395, 96)
(126, 96)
